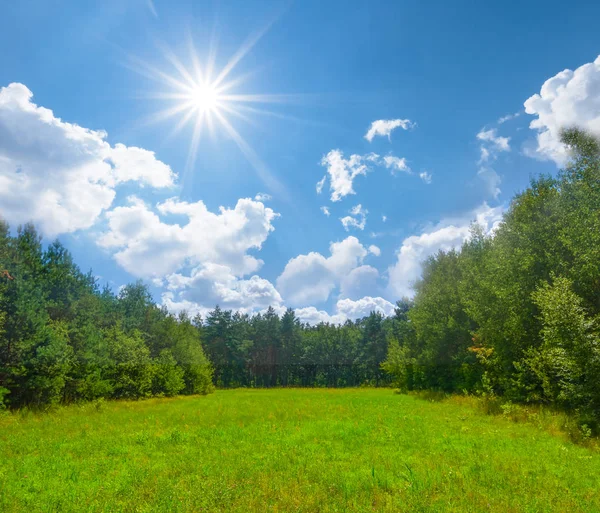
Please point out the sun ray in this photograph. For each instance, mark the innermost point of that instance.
(165, 114)
(259, 166)
(270, 113)
(236, 112)
(248, 45)
(241, 53)
(195, 60)
(262, 98)
(212, 52)
(231, 84)
(178, 65)
(182, 122)
(145, 69)
(193, 151)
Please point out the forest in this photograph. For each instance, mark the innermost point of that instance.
(517, 313)
(514, 313)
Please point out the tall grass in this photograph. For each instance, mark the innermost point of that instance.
(545, 417)
(290, 450)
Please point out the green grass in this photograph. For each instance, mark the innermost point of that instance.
(289, 450)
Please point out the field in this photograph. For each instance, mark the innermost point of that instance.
(311, 450)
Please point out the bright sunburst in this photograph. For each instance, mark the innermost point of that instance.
(204, 99)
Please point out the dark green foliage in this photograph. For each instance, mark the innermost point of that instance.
(266, 350)
(63, 340)
(516, 313)
(167, 375)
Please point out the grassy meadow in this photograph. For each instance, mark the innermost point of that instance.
(288, 450)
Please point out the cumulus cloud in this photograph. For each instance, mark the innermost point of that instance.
(359, 282)
(202, 260)
(384, 218)
(363, 307)
(263, 196)
(569, 98)
(396, 164)
(214, 284)
(325, 210)
(448, 234)
(384, 127)
(59, 175)
(356, 219)
(314, 316)
(255, 293)
(147, 246)
(346, 309)
(374, 250)
(426, 177)
(311, 278)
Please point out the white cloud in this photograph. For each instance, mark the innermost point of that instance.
(491, 145)
(59, 175)
(374, 250)
(342, 173)
(321, 184)
(214, 245)
(447, 235)
(313, 316)
(356, 219)
(508, 117)
(363, 307)
(384, 218)
(263, 196)
(491, 180)
(137, 164)
(212, 284)
(311, 278)
(426, 177)
(359, 282)
(396, 164)
(147, 246)
(384, 127)
(569, 98)
(495, 142)
(326, 211)
(346, 309)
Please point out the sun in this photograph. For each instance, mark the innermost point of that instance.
(205, 97)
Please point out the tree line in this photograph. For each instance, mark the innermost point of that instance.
(517, 313)
(62, 339)
(266, 350)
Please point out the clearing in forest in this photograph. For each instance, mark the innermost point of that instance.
(288, 450)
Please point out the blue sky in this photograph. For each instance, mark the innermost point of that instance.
(83, 155)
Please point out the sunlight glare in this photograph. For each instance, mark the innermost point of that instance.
(205, 98)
